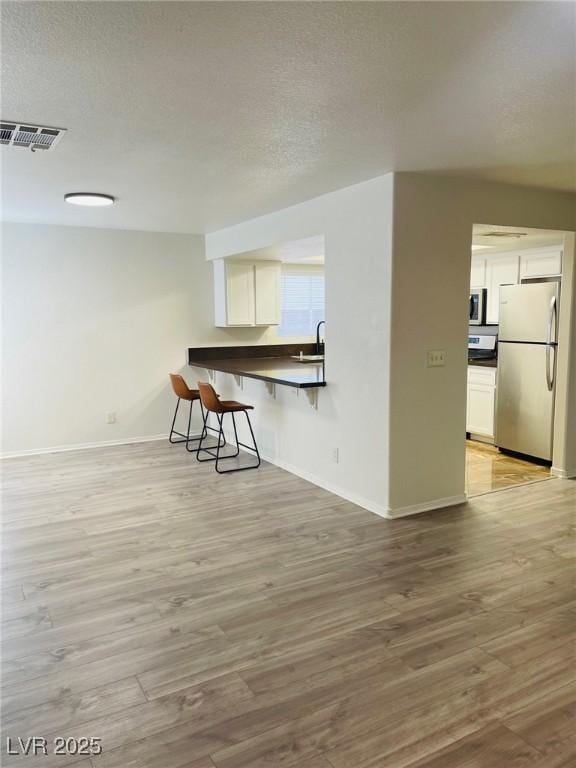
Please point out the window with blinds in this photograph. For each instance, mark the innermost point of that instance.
(302, 302)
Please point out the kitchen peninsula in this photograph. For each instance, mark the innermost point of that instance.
(273, 363)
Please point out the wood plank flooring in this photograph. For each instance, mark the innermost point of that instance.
(489, 470)
(191, 620)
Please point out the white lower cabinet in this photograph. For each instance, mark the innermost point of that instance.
(480, 408)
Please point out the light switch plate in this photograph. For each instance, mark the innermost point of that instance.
(436, 358)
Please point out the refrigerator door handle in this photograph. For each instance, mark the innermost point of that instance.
(552, 321)
(551, 342)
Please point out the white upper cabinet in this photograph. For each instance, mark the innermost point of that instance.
(246, 293)
(478, 272)
(501, 269)
(491, 270)
(267, 292)
(240, 293)
(546, 262)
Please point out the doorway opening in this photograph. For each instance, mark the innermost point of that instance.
(515, 295)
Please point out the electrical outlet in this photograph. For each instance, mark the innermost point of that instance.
(436, 358)
(111, 417)
(335, 455)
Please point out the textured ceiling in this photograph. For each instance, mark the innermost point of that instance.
(200, 115)
(526, 238)
(308, 250)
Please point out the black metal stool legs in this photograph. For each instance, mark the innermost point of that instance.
(203, 434)
(186, 437)
(216, 457)
(256, 451)
(252, 448)
(221, 439)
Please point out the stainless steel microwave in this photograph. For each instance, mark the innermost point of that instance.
(477, 306)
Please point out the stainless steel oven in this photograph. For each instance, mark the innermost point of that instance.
(482, 348)
(477, 306)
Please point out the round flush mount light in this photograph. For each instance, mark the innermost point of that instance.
(89, 198)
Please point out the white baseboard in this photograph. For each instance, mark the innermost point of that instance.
(343, 493)
(488, 439)
(367, 504)
(360, 501)
(83, 446)
(426, 506)
(567, 474)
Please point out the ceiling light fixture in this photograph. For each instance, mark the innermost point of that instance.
(89, 198)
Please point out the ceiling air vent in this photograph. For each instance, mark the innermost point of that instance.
(29, 136)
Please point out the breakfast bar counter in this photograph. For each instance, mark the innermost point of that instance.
(274, 363)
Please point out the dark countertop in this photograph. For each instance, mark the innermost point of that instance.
(267, 363)
(483, 363)
(277, 370)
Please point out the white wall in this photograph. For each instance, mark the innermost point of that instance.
(352, 412)
(382, 403)
(93, 322)
(564, 463)
(433, 218)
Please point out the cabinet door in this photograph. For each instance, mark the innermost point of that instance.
(480, 409)
(481, 375)
(541, 264)
(219, 278)
(500, 270)
(240, 293)
(478, 272)
(267, 286)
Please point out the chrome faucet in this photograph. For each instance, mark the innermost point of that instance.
(322, 322)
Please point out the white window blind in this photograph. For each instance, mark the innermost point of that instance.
(302, 304)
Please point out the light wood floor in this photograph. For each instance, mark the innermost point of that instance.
(489, 470)
(253, 621)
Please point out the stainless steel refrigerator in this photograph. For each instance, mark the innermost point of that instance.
(527, 344)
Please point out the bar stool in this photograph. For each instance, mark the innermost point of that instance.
(213, 404)
(183, 392)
